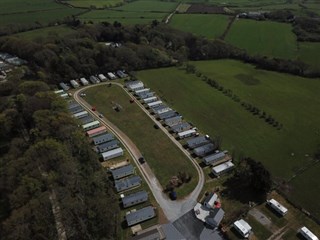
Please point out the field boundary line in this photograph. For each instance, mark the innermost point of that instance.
(224, 34)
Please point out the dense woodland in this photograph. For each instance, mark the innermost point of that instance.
(47, 163)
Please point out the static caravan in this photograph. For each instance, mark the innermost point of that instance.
(96, 131)
(59, 92)
(81, 114)
(127, 183)
(103, 138)
(275, 205)
(197, 142)
(222, 168)
(142, 91)
(173, 121)
(92, 125)
(168, 114)
(134, 199)
(111, 76)
(203, 150)
(180, 127)
(154, 104)
(74, 84)
(64, 86)
(140, 215)
(122, 172)
(242, 227)
(102, 77)
(122, 74)
(307, 234)
(188, 133)
(112, 154)
(94, 80)
(146, 95)
(84, 81)
(64, 95)
(87, 119)
(150, 99)
(108, 146)
(215, 158)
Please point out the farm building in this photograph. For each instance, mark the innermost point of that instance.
(64, 95)
(74, 84)
(134, 85)
(242, 227)
(94, 80)
(215, 158)
(111, 76)
(180, 127)
(64, 86)
(96, 131)
(187, 133)
(92, 125)
(150, 99)
(127, 183)
(87, 119)
(222, 168)
(210, 200)
(307, 234)
(108, 146)
(197, 142)
(81, 114)
(154, 104)
(275, 205)
(140, 215)
(59, 92)
(173, 121)
(168, 114)
(215, 217)
(102, 77)
(112, 154)
(142, 91)
(84, 81)
(134, 199)
(122, 172)
(103, 138)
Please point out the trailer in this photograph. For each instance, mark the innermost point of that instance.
(81, 114)
(188, 133)
(222, 168)
(92, 125)
(84, 81)
(275, 205)
(103, 78)
(74, 84)
(96, 131)
(112, 154)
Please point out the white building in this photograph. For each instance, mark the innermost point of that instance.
(307, 234)
(277, 207)
(90, 125)
(222, 168)
(112, 154)
(102, 77)
(74, 83)
(154, 104)
(242, 227)
(150, 99)
(81, 114)
(84, 81)
(187, 133)
(111, 75)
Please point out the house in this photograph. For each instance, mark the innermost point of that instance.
(96, 131)
(222, 168)
(215, 158)
(64, 95)
(210, 200)
(122, 172)
(74, 84)
(150, 99)
(134, 199)
(111, 76)
(307, 234)
(81, 114)
(64, 86)
(84, 81)
(89, 126)
(197, 142)
(112, 154)
(275, 205)
(154, 104)
(102, 78)
(215, 217)
(180, 127)
(103, 138)
(188, 133)
(108, 146)
(242, 227)
(168, 114)
(87, 119)
(203, 150)
(127, 183)
(173, 121)
(140, 215)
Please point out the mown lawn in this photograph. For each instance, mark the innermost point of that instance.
(291, 100)
(263, 38)
(207, 25)
(164, 158)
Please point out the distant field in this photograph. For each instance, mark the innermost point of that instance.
(207, 25)
(18, 6)
(94, 3)
(148, 6)
(123, 17)
(263, 38)
(309, 53)
(165, 159)
(289, 99)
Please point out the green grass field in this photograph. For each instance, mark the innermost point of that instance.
(148, 6)
(309, 53)
(123, 17)
(291, 100)
(263, 38)
(19, 6)
(207, 25)
(165, 159)
(94, 3)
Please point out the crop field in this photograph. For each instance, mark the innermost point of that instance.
(94, 3)
(207, 25)
(148, 6)
(123, 17)
(263, 38)
(164, 158)
(289, 99)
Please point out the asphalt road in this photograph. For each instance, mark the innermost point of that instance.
(172, 209)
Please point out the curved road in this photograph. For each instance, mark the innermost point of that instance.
(172, 209)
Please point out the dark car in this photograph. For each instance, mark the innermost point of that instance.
(156, 126)
(141, 160)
